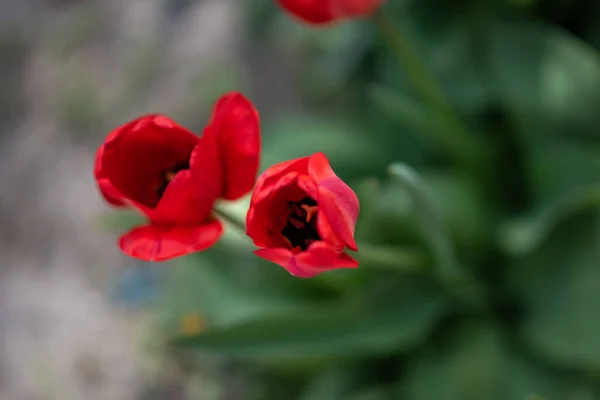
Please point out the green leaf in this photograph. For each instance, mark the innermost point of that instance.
(525, 235)
(369, 192)
(444, 35)
(476, 364)
(559, 167)
(524, 4)
(403, 258)
(341, 329)
(454, 276)
(388, 214)
(466, 211)
(429, 217)
(396, 258)
(409, 112)
(377, 260)
(439, 129)
(348, 382)
(547, 77)
(374, 393)
(389, 220)
(334, 383)
(549, 80)
(559, 287)
(201, 286)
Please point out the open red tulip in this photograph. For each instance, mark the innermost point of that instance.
(303, 217)
(327, 11)
(173, 177)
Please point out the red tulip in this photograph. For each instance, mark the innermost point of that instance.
(326, 11)
(303, 217)
(173, 177)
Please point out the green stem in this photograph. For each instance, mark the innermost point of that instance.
(381, 257)
(597, 232)
(416, 69)
(396, 258)
(234, 221)
(453, 276)
(449, 130)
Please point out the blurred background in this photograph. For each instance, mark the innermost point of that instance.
(480, 251)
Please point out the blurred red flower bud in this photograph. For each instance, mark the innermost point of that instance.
(327, 11)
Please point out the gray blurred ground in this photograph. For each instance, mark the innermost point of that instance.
(71, 70)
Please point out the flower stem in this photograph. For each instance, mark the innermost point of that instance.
(416, 69)
(450, 132)
(401, 259)
(452, 274)
(234, 221)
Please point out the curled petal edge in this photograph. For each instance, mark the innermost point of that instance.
(162, 243)
(336, 199)
(318, 258)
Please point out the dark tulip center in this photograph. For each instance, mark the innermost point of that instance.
(301, 226)
(168, 175)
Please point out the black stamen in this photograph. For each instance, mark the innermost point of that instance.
(300, 232)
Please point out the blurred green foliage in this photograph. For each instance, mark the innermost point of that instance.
(478, 280)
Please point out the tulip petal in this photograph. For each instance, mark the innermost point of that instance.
(311, 11)
(189, 197)
(353, 8)
(336, 199)
(327, 233)
(134, 156)
(262, 222)
(317, 259)
(235, 124)
(260, 211)
(279, 256)
(161, 243)
(268, 179)
(320, 257)
(110, 194)
(327, 11)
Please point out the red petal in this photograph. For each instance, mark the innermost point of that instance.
(321, 258)
(110, 194)
(161, 243)
(134, 156)
(327, 234)
(317, 259)
(106, 188)
(190, 196)
(235, 124)
(311, 11)
(266, 219)
(269, 178)
(279, 256)
(354, 8)
(336, 200)
(260, 211)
